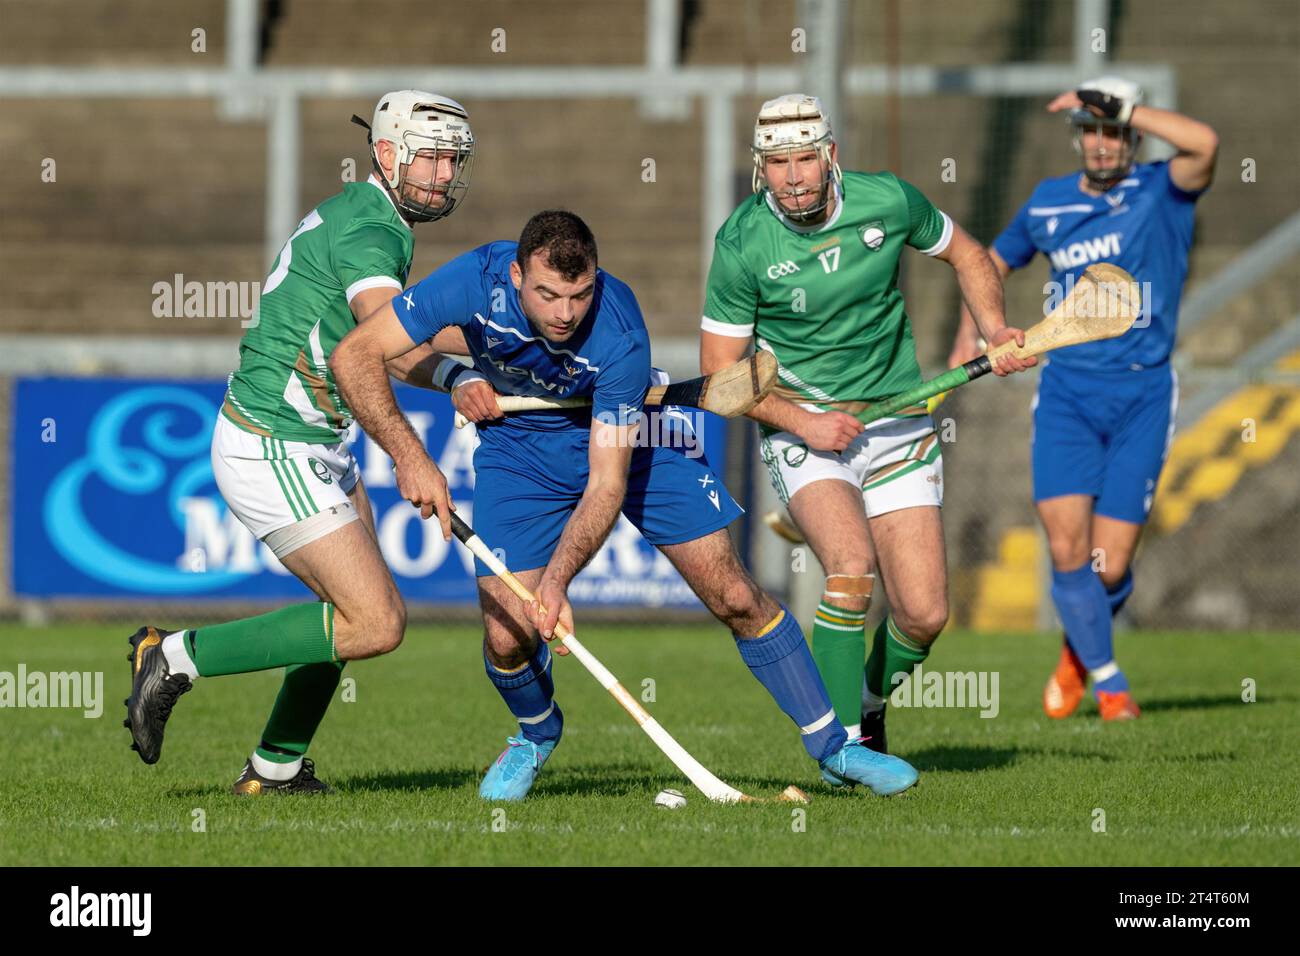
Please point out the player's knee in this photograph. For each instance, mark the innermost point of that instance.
(924, 623)
(850, 589)
(504, 648)
(1113, 572)
(736, 601)
(1068, 551)
(387, 625)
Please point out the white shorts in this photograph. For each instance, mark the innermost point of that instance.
(271, 484)
(897, 463)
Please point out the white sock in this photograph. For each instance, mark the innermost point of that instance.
(178, 658)
(276, 771)
(854, 732)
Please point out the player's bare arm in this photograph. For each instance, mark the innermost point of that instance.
(608, 456)
(1192, 169)
(422, 366)
(416, 367)
(359, 367)
(981, 290)
(823, 431)
(968, 342)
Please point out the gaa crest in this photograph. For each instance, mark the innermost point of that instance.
(872, 234)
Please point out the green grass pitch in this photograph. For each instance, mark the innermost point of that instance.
(1202, 778)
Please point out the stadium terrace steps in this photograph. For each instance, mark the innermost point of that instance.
(415, 33)
(107, 289)
(1245, 320)
(90, 33)
(1234, 566)
(1249, 429)
(1008, 592)
(132, 172)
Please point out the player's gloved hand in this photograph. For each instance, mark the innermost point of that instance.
(551, 608)
(1103, 104)
(1109, 105)
(829, 431)
(421, 483)
(1006, 364)
(476, 399)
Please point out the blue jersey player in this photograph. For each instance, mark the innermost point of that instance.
(539, 318)
(1104, 412)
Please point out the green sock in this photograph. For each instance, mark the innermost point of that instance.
(300, 707)
(298, 634)
(901, 654)
(839, 645)
(876, 662)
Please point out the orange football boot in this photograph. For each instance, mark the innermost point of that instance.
(1065, 687)
(1118, 705)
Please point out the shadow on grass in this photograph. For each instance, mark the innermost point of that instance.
(447, 778)
(579, 780)
(640, 780)
(962, 758)
(1205, 702)
(969, 759)
(440, 779)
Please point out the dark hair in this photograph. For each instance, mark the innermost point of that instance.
(569, 246)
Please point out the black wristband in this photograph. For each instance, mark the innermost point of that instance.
(449, 382)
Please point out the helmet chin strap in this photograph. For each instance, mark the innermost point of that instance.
(1111, 177)
(392, 193)
(379, 171)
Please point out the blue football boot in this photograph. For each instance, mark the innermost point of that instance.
(856, 763)
(512, 774)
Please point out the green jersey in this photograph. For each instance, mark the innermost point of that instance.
(283, 387)
(825, 298)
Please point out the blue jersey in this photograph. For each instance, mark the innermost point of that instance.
(1143, 225)
(606, 358)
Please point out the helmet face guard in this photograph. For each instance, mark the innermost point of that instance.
(822, 191)
(1082, 121)
(426, 199)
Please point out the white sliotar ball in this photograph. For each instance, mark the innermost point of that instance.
(672, 799)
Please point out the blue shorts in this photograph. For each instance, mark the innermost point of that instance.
(1104, 434)
(527, 484)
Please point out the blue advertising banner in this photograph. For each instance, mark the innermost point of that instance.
(112, 496)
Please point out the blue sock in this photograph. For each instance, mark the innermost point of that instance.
(1081, 602)
(530, 694)
(1119, 593)
(783, 664)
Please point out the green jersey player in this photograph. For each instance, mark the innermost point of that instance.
(808, 268)
(280, 459)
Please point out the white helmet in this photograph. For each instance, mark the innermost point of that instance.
(794, 123)
(1116, 98)
(414, 122)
